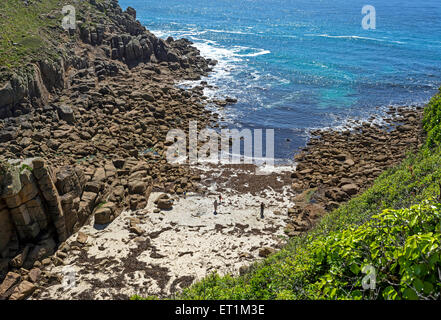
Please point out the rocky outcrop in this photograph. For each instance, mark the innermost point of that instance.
(32, 204)
(6, 227)
(23, 87)
(40, 207)
(123, 38)
(92, 127)
(337, 165)
(118, 36)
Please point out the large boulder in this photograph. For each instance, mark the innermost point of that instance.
(164, 202)
(8, 284)
(137, 187)
(66, 113)
(131, 12)
(350, 189)
(105, 213)
(23, 290)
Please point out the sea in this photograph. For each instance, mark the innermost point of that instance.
(299, 65)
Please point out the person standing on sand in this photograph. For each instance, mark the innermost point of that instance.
(215, 207)
(262, 207)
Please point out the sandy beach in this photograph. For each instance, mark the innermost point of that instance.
(172, 248)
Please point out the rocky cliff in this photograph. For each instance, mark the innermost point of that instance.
(82, 130)
(115, 34)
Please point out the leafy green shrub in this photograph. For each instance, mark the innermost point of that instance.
(432, 121)
(326, 263)
(372, 229)
(403, 246)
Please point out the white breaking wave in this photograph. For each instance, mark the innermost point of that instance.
(228, 31)
(354, 38)
(231, 76)
(255, 54)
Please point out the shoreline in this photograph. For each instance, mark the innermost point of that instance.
(127, 115)
(189, 224)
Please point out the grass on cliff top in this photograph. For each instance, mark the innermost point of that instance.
(25, 30)
(326, 262)
(33, 32)
(379, 228)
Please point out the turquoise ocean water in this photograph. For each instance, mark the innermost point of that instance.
(294, 65)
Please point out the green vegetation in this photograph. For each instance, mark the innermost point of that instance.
(402, 245)
(101, 204)
(26, 29)
(394, 226)
(25, 167)
(432, 121)
(33, 32)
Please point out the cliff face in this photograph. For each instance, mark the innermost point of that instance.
(32, 204)
(83, 123)
(115, 34)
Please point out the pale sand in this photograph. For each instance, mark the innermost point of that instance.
(187, 243)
